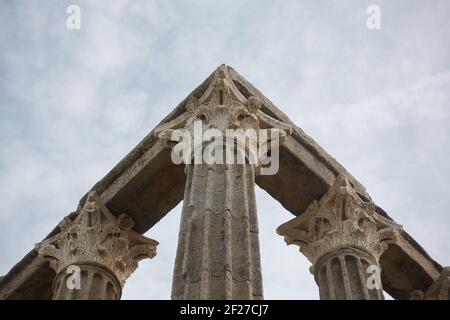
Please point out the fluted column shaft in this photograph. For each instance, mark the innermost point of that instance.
(342, 275)
(95, 283)
(218, 249)
(220, 140)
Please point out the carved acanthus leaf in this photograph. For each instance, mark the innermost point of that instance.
(339, 219)
(96, 236)
(222, 107)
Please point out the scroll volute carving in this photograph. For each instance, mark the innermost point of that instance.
(222, 107)
(339, 219)
(96, 236)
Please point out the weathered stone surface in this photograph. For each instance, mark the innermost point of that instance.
(308, 170)
(31, 278)
(96, 283)
(406, 267)
(218, 250)
(439, 290)
(103, 246)
(342, 235)
(342, 275)
(146, 185)
(218, 254)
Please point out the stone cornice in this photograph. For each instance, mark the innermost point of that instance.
(306, 170)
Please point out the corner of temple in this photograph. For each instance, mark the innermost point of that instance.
(440, 289)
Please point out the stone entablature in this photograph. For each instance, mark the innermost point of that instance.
(439, 290)
(147, 185)
(218, 247)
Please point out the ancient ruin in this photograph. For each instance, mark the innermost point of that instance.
(356, 249)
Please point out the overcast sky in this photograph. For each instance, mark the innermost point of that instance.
(75, 102)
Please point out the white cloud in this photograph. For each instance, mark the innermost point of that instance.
(73, 103)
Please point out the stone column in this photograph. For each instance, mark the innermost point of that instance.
(439, 290)
(218, 248)
(94, 254)
(343, 237)
(96, 283)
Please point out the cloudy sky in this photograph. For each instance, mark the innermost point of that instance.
(75, 102)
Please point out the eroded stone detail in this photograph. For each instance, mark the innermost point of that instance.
(342, 235)
(339, 219)
(218, 248)
(303, 160)
(222, 107)
(96, 237)
(439, 290)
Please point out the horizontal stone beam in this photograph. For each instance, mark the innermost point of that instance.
(307, 171)
(146, 186)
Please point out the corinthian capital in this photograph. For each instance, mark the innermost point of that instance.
(221, 107)
(340, 219)
(97, 237)
(223, 117)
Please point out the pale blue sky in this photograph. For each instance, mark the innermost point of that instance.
(73, 103)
